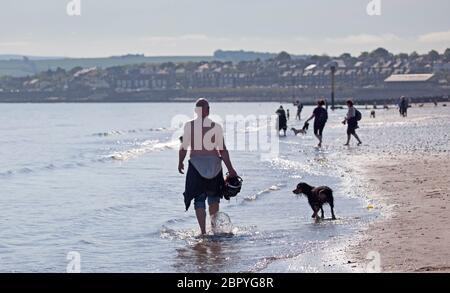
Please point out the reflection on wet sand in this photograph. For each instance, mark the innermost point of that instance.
(209, 255)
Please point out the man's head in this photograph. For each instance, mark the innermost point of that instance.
(202, 108)
(349, 103)
(321, 103)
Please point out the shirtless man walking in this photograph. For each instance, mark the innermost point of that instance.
(204, 179)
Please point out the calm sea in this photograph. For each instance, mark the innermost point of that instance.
(102, 180)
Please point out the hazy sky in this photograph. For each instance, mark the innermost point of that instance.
(198, 27)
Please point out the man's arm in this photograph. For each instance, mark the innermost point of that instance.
(223, 151)
(183, 148)
(181, 156)
(310, 118)
(226, 159)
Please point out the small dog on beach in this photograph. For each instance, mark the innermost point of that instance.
(302, 131)
(298, 131)
(317, 197)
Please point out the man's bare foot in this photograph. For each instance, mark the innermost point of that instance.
(359, 143)
(201, 236)
(347, 144)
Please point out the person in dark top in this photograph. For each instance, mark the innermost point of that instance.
(352, 123)
(320, 116)
(403, 107)
(299, 111)
(282, 120)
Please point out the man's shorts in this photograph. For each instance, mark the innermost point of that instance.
(351, 130)
(318, 129)
(199, 201)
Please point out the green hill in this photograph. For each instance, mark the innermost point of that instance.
(25, 66)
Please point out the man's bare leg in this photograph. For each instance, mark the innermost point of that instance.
(348, 140)
(201, 218)
(357, 138)
(213, 210)
(319, 137)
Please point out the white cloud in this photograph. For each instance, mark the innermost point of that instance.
(14, 44)
(163, 39)
(435, 37)
(365, 39)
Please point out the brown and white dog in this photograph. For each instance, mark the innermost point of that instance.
(298, 131)
(317, 197)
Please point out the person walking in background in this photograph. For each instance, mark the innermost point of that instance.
(352, 118)
(204, 179)
(403, 106)
(287, 114)
(320, 116)
(282, 121)
(299, 111)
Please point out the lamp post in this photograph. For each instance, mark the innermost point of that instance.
(333, 83)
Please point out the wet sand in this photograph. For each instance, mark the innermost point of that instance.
(401, 174)
(414, 233)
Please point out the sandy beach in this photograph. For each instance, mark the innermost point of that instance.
(413, 235)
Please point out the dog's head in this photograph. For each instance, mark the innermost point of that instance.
(302, 188)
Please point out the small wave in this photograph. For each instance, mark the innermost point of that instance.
(172, 234)
(191, 236)
(110, 133)
(48, 167)
(265, 191)
(265, 262)
(7, 173)
(146, 147)
(122, 132)
(85, 242)
(25, 170)
(116, 209)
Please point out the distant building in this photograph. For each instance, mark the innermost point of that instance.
(441, 66)
(410, 81)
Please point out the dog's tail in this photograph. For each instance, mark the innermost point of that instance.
(331, 199)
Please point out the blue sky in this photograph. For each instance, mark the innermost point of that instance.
(198, 27)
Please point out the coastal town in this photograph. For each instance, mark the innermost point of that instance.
(373, 76)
